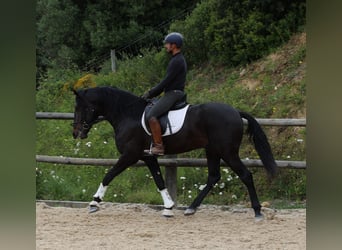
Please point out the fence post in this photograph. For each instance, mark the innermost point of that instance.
(112, 58)
(171, 179)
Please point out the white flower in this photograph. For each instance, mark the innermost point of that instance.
(202, 187)
(182, 178)
(225, 170)
(222, 185)
(234, 197)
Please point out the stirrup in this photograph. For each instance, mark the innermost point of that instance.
(151, 152)
(148, 151)
(158, 149)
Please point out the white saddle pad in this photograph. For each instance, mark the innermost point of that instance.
(176, 118)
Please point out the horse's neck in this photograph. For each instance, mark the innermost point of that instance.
(117, 111)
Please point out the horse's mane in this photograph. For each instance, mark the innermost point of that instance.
(118, 100)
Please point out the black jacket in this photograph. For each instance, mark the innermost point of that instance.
(175, 76)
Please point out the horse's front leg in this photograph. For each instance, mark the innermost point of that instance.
(124, 161)
(154, 168)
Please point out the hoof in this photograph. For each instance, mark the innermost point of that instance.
(259, 218)
(93, 209)
(190, 211)
(94, 206)
(167, 212)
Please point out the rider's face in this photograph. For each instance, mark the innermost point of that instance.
(169, 47)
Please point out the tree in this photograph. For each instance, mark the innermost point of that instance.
(81, 33)
(57, 33)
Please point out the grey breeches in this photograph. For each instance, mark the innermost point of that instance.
(165, 103)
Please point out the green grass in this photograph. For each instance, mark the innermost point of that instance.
(280, 93)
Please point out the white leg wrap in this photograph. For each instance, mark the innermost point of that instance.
(101, 191)
(168, 202)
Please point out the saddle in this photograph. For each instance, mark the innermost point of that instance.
(170, 122)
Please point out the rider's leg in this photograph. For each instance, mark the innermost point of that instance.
(158, 147)
(161, 107)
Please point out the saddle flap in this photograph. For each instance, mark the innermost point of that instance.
(170, 123)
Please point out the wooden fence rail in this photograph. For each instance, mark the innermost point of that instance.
(167, 162)
(266, 122)
(172, 162)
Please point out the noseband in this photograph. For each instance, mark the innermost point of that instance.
(85, 125)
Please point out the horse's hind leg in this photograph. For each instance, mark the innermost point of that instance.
(213, 177)
(246, 177)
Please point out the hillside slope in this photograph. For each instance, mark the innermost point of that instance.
(273, 86)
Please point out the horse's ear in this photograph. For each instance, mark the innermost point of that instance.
(81, 96)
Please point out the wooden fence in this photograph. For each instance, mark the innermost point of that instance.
(170, 162)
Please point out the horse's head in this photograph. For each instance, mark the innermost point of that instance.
(85, 116)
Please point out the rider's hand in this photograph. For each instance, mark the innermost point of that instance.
(146, 95)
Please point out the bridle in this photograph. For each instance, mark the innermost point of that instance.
(84, 125)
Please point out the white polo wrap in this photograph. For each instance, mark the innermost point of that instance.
(101, 191)
(168, 202)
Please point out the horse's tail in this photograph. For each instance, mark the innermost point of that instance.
(261, 144)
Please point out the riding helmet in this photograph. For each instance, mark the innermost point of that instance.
(174, 37)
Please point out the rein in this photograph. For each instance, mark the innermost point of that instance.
(86, 125)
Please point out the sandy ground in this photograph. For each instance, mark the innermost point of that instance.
(139, 226)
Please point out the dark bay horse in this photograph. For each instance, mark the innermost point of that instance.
(216, 127)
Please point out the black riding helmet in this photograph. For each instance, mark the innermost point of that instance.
(174, 37)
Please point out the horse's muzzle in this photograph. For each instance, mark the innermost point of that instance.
(79, 133)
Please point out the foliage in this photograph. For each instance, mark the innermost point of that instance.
(271, 87)
(79, 34)
(224, 41)
(238, 32)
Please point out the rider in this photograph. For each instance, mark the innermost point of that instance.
(173, 87)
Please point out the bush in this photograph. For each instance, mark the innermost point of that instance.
(238, 32)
